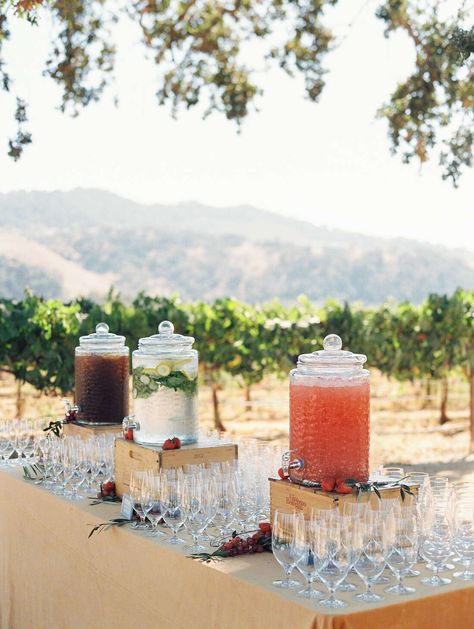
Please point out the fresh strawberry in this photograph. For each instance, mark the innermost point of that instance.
(177, 442)
(265, 527)
(342, 487)
(328, 484)
(281, 473)
(109, 487)
(168, 445)
(129, 434)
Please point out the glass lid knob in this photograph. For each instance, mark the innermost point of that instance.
(332, 342)
(166, 328)
(102, 329)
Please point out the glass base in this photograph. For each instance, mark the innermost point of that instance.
(435, 581)
(310, 593)
(333, 603)
(195, 548)
(382, 580)
(347, 587)
(286, 583)
(369, 597)
(400, 590)
(466, 575)
(411, 573)
(176, 540)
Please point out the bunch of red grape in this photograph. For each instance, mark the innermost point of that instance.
(260, 541)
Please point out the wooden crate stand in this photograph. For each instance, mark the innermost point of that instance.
(133, 456)
(71, 429)
(288, 496)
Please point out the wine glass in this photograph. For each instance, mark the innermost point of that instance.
(371, 561)
(283, 545)
(138, 494)
(154, 514)
(436, 541)
(403, 550)
(334, 548)
(464, 535)
(306, 560)
(198, 501)
(173, 513)
(7, 443)
(72, 474)
(226, 505)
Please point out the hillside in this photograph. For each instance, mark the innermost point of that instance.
(81, 242)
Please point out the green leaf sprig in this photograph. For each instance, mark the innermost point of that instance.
(105, 526)
(146, 383)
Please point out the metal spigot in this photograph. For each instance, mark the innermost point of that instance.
(129, 422)
(287, 464)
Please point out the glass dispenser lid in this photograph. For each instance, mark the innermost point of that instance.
(101, 339)
(332, 357)
(166, 340)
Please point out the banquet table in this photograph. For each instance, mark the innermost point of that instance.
(52, 576)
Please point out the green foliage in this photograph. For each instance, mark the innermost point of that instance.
(199, 49)
(38, 336)
(435, 105)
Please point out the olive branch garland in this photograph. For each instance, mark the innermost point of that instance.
(55, 428)
(375, 486)
(105, 526)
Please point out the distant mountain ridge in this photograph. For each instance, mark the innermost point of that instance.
(85, 240)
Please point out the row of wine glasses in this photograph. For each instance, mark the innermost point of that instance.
(17, 441)
(73, 466)
(223, 496)
(176, 498)
(436, 528)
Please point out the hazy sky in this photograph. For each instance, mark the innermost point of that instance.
(328, 163)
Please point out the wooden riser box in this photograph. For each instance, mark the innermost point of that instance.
(286, 496)
(78, 430)
(132, 456)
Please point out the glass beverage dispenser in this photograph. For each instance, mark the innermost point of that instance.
(101, 369)
(165, 370)
(329, 415)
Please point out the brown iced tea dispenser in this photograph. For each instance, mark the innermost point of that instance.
(101, 378)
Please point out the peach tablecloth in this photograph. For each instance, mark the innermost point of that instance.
(53, 577)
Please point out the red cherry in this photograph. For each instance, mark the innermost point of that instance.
(177, 442)
(129, 434)
(168, 445)
(342, 488)
(328, 484)
(265, 527)
(281, 473)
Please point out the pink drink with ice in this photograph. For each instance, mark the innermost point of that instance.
(329, 414)
(329, 428)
